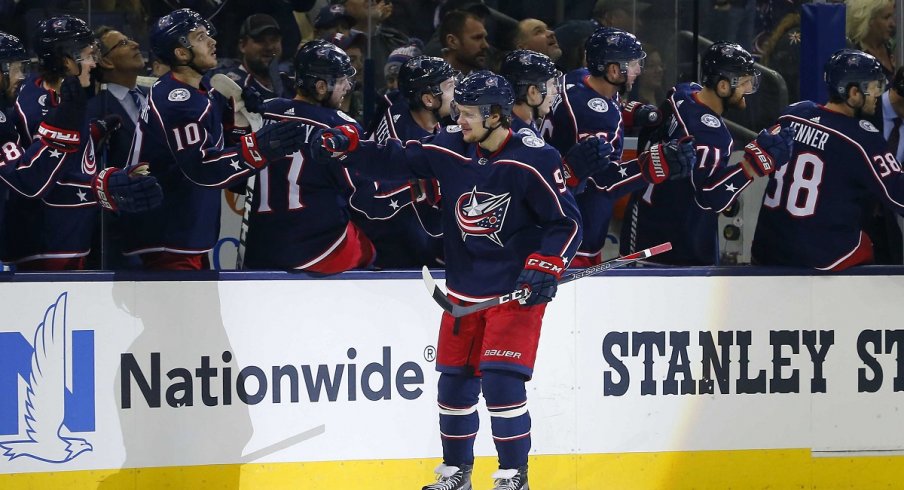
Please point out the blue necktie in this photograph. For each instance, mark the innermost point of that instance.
(136, 97)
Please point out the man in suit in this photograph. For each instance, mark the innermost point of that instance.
(118, 68)
(884, 227)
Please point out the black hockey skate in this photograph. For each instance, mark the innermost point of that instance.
(452, 478)
(511, 479)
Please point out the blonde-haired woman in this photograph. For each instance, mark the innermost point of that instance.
(871, 27)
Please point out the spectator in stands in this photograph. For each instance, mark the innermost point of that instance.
(781, 52)
(871, 29)
(396, 59)
(464, 41)
(260, 48)
(332, 19)
(621, 14)
(571, 36)
(535, 35)
(383, 38)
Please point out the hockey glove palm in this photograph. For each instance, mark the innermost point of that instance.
(334, 142)
(271, 142)
(62, 126)
(668, 161)
(770, 151)
(128, 191)
(540, 275)
(587, 157)
(638, 115)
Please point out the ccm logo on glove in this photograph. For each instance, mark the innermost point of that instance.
(540, 264)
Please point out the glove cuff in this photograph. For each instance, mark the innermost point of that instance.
(655, 166)
(250, 152)
(65, 140)
(758, 160)
(571, 178)
(101, 187)
(549, 264)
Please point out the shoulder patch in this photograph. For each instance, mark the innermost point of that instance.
(598, 104)
(526, 132)
(454, 128)
(868, 126)
(532, 141)
(42, 100)
(711, 120)
(234, 76)
(346, 117)
(2, 117)
(178, 95)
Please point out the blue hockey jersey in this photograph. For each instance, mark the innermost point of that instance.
(685, 211)
(61, 223)
(814, 207)
(579, 112)
(401, 217)
(300, 208)
(497, 208)
(180, 137)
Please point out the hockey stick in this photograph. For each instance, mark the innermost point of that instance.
(230, 89)
(520, 294)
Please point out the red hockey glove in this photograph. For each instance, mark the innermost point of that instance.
(271, 142)
(128, 191)
(668, 161)
(65, 140)
(638, 115)
(541, 275)
(334, 142)
(769, 151)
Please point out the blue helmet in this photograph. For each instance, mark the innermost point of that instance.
(485, 89)
(171, 32)
(728, 61)
(849, 67)
(421, 75)
(321, 60)
(11, 50)
(60, 37)
(609, 45)
(523, 68)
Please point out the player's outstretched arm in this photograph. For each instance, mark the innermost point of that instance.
(672, 160)
(769, 152)
(391, 161)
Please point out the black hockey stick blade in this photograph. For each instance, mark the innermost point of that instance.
(458, 311)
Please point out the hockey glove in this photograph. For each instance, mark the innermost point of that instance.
(131, 191)
(102, 129)
(541, 275)
(271, 142)
(770, 151)
(668, 161)
(639, 115)
(334, 142)
(62, 126)
(587, 157)
(254, 101)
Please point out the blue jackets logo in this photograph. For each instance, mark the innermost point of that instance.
(481, 214)
(58, 401)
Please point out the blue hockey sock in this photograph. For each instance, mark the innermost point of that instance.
(506, 399)
(458, 422)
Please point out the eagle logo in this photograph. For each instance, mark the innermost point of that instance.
(47, 439)
(481, 214)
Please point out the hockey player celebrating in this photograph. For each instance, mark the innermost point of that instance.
(813, 208)
(181, 136)
(55, 233)
(300, 217)
(403, 216)
(535, 80)
(685, 211)
(506, 226)
(590, 106)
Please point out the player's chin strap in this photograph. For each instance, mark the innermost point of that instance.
(489, 130)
